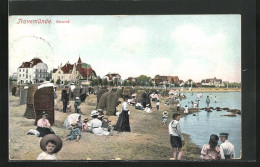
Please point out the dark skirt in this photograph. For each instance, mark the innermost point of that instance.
(122, 124)
(44, 131)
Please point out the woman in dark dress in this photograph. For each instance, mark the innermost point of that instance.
(122, 124)
(43, 125)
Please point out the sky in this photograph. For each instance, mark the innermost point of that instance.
(188, 46)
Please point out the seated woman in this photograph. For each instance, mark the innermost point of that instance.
(74, 132)
(43, 125)
(211, 151)
(95, 124)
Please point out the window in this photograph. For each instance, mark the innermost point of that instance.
(40, 75)
(23, 75)
(20, 70)
(19, 75)
(26, 70)
(26, 75)
(23, 70)
(40, 70)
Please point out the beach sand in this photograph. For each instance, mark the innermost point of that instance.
(146, 141)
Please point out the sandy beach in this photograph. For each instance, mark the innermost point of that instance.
(146, 141)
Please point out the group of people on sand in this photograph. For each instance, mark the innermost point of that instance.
(50, 143)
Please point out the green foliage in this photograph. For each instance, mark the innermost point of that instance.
(52, 81)
(104, 82)
(142, 80)
(66, 82)
(58, 81)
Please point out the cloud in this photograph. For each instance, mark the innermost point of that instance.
(73, 37)
(131, 40)
(193, 41)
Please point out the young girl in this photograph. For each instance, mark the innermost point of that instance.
(211, 150)
(165, 116)
(85, 125)
(50, 144)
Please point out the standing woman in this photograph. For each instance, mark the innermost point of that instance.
(122, 124)
(43, 125)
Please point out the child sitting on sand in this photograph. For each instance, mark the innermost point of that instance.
(74, 133)
(165, 116)
(85, 125)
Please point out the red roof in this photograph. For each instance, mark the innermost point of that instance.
(54, 70)
(30, 64)
(25, 65)
(110, 76)
(79, 61)
(35, 61)
(175, 78)
(66, 68)
(85, 71)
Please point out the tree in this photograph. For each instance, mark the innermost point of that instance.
(110, 83)
(66, 82)
(58, 81)
(105, 82)
(142, 80)
(52, 81)
(190, 81)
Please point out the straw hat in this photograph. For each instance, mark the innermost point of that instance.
(165, 113)
(73, 124)
(49, 137)
(86, 120)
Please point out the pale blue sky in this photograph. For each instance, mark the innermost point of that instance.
(189, 46)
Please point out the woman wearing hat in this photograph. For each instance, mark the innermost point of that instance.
(122, 124)
(95, 124)
(211, 151)
(50, 144)
(43, 125)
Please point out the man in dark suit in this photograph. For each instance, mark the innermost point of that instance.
(65, 98)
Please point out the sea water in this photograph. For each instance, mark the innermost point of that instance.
(201, 126)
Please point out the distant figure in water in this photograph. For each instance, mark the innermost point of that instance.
(207, 101)
(215, 99)
(186, 109)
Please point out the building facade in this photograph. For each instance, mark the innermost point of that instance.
(113, 77)
(34, 71)
(212, 82)
(74, 73)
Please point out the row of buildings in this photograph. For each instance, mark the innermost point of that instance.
(35, 71)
